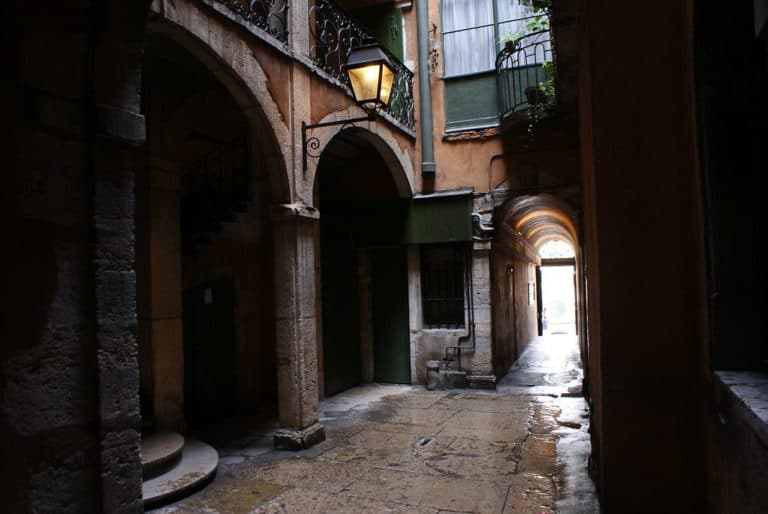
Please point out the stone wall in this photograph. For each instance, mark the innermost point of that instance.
(69, 421)
(514, 317)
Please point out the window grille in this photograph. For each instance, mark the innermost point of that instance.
(442, 285)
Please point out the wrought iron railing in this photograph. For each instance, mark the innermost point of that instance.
(525, 73)
(334, 33)
(270, 15)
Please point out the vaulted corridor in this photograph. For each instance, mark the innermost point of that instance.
(522, 448)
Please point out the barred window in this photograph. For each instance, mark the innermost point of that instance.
(442, 285)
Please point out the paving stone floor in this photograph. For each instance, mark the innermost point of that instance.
(520, 449)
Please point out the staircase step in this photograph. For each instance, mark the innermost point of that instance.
(197, 466)
(160, 451)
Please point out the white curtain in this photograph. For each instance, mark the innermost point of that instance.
(469, 43)
(513, 19)
(468, 40)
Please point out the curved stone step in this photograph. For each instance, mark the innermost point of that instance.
(197, 465)
(160, 452)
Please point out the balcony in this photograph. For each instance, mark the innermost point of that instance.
(334, 32)
(525, 74)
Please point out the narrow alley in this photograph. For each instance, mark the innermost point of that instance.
(390, 448)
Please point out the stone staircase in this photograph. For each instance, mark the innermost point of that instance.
(216, 189)
(174, 467)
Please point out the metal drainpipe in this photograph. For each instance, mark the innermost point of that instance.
(428, 166)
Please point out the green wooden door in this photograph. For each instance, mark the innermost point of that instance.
(340, 307)
(209, 351)
(391, 340)
(385, 23)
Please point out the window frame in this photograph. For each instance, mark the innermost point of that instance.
(496, 32)
(429, 284)
(483, 112)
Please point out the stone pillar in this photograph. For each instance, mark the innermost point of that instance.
(481, 370)
(165, 292)
(294, 231)
(415, 316)
(114, 158)
(298, 23)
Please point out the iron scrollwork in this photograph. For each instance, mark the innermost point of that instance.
(335, 33)
(310, 144)
(269, 15)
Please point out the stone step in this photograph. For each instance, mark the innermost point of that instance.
(197, 466)
(160, 451)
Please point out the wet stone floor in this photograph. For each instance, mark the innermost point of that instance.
(520, 449)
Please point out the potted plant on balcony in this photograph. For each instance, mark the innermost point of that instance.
(539, 95)
(510, 40)
(535, 96)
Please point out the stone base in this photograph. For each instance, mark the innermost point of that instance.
(482, 381)
(452, 379)
(289, 439)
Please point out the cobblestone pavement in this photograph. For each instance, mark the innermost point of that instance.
(520, 449)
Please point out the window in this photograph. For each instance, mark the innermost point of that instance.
(556, 249)
(442, 285)
(474, 32)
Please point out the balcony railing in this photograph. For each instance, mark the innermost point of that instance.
(524, 73)
(334, 33)
(269, 15)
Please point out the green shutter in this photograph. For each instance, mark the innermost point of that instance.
(442, 218)
(471, 102)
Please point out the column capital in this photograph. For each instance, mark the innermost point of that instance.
(287, 212)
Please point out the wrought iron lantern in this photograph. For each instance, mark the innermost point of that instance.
(371, 75)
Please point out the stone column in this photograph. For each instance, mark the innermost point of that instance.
(415, 315)
(294, 231)
(481, 371)
(114, 156)
(165, 292)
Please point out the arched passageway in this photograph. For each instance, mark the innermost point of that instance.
(364, 288)
(525, 226)
(204, 246)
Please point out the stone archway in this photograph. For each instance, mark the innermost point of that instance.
(375, 134)
(242, 75)
(362, 195)
(523, 224)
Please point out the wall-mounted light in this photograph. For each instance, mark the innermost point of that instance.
(371, 76)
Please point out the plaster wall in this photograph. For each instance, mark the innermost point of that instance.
(644, 262)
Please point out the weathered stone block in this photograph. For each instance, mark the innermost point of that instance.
(288, 439)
